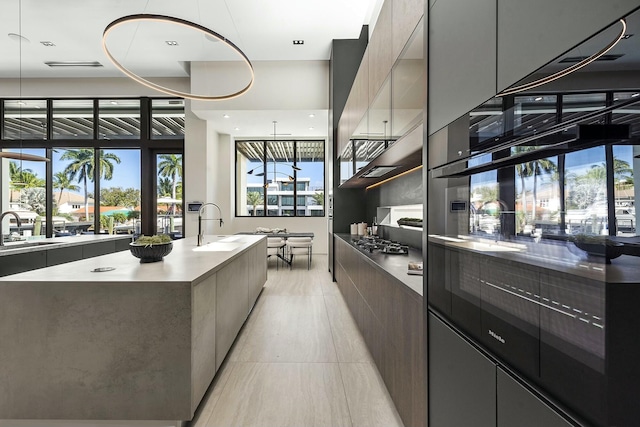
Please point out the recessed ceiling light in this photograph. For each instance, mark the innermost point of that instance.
(312, 116)
(310, 128)
(48, 44)
(236, 128)
(539, 98)
(226, 116)
(298, 42)
(171, 42)
(73, 64)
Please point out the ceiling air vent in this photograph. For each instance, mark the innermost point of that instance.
(378, 171)
(574, 59)
(73, 64)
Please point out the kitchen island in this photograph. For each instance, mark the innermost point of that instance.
(135, 342)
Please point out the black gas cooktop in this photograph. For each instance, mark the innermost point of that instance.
(377, 244)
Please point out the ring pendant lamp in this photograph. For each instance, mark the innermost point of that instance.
(177, 21)
(575, 67)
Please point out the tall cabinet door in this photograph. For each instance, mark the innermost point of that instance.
(462, 381)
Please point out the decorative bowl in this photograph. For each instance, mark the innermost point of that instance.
(150, 253)
(608, 250)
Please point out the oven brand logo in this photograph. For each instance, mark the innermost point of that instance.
(496, 336)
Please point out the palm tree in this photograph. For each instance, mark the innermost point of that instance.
(318, 198)
(23, 178)
(82, 166)
(62, 181)
(539, 167)
(254, 198)
(170, 166)
(164, 187)
(524, 170)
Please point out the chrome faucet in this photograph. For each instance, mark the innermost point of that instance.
(200, 219)
(2, 219)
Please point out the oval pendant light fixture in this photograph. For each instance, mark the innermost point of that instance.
(569, 70)
(176, 21)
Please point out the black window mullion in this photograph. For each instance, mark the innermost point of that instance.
(145, 118)
(611, 207)
(96, 190)
(1, 119)
(49, 192)
(264, 178)
(96, 119)
(295, 179)
(563, 201)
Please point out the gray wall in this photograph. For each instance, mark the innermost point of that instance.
(346, 55)
(405, 190)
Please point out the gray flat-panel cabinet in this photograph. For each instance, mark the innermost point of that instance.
(524, 45)
(462, 381)
(467, 28)
(517, 406)
(232, 305)
(100, 248)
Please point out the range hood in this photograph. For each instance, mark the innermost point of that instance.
(403, 155)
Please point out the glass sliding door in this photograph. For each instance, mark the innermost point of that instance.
(120, 191)
(169, 209)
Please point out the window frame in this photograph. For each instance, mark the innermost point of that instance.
(264, 209)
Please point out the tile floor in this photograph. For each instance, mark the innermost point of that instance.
(298, 361)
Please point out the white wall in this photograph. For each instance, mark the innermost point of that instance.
(209, 177)
(294, 86)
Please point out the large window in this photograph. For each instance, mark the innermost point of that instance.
(77, 135)
(290, 174)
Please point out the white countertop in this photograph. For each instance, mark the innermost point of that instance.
(12, 248)
(186, 263)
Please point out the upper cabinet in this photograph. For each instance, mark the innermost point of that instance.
(406, 14)
(408, 85)
(387, 98)
(380, 50)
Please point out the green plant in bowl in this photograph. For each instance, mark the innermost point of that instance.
(595, 245)
(151, 248)
(156, 239)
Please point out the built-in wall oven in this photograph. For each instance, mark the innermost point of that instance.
(523, 256)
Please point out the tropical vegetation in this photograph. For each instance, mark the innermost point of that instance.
(82, 168)
(254, 199)
(170, 167)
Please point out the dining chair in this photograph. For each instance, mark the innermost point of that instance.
(275, 246)
(300, 246)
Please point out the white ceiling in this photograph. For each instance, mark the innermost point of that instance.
(263, 29)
